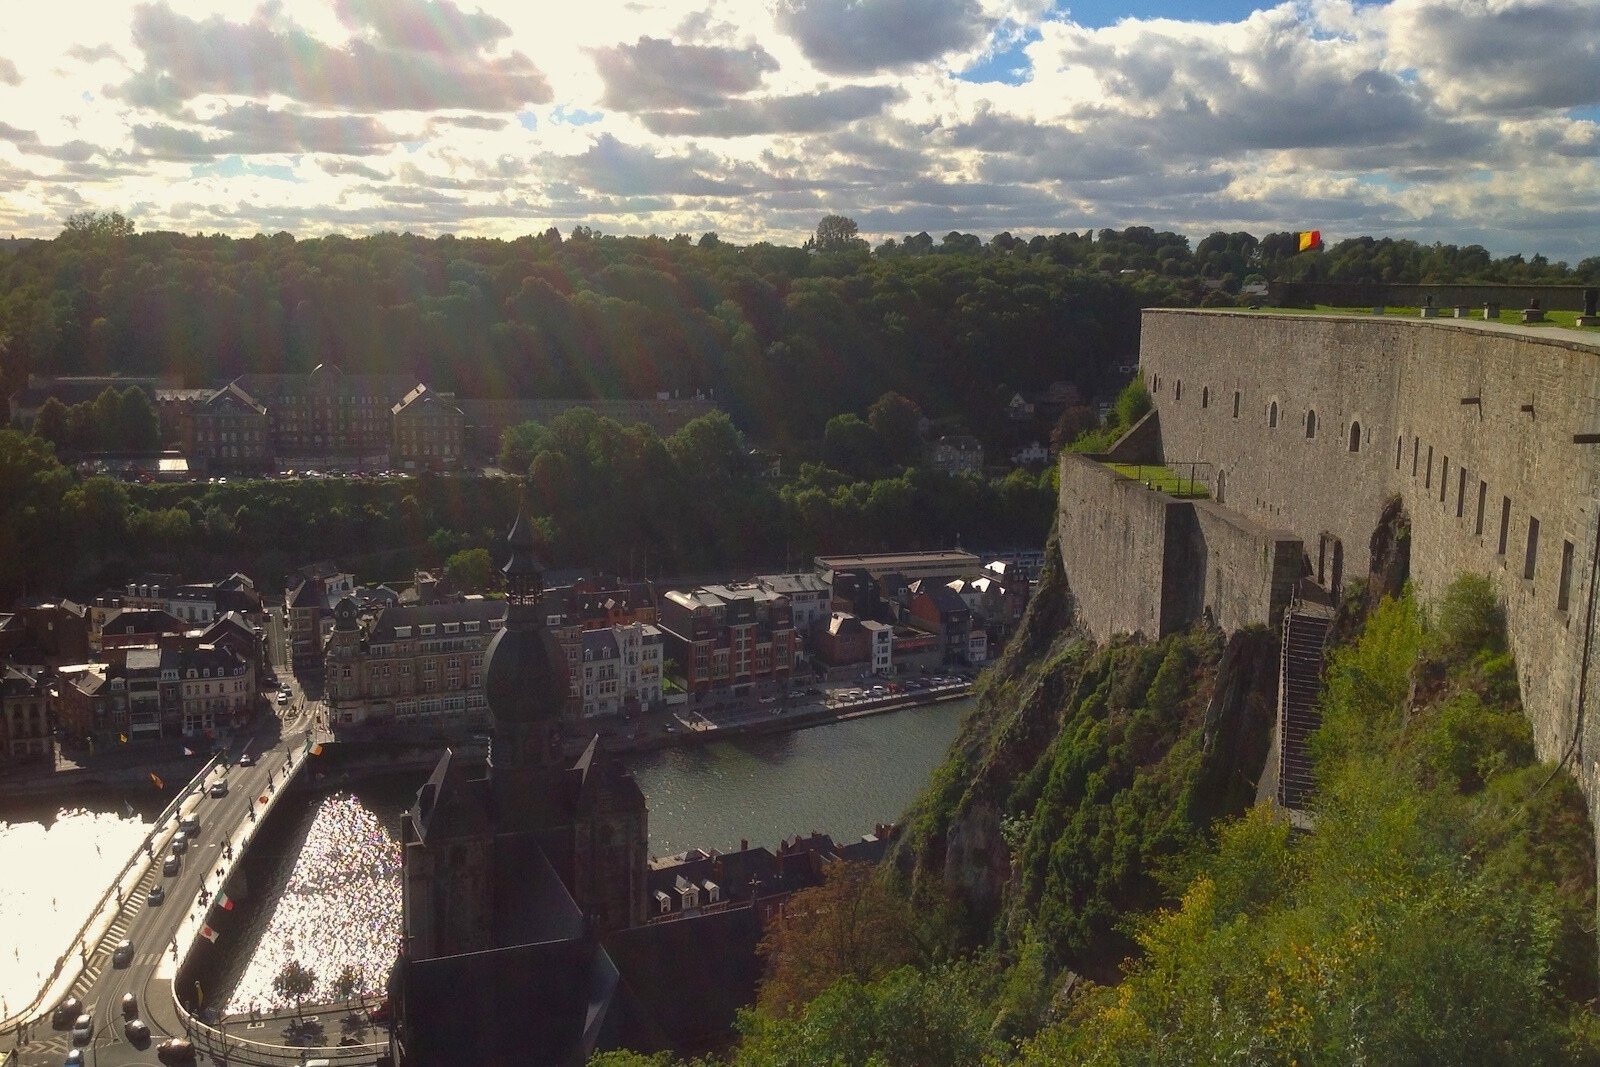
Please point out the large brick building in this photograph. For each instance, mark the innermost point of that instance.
(729, 641)
(426, 431)
(410, 663)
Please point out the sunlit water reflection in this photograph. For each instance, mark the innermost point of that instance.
(340, 907)
(56, 870)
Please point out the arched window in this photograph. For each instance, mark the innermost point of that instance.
(1205, 397)
(1355, 437)
(1272, 416)
(1311, 424)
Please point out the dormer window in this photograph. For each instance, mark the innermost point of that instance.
(402, 631)
(473, 627)
(427, 629)
(452, 627)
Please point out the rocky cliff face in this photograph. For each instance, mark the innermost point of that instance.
(1084, 771)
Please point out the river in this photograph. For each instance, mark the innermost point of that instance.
(337, 869)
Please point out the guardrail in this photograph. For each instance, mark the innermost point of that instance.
(143, 854)
(224, 1047)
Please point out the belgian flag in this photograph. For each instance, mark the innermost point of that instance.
(1310, 241)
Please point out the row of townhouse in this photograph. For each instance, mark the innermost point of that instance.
(424, 662)
(730, 642)
(97, 674)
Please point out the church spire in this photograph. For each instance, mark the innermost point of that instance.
(524, 577)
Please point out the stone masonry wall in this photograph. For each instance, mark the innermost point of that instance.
(1441, 412)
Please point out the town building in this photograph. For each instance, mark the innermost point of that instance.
(957, 454)
(309, 598)
(45, 634)
(25, 712)
(229, 430)
(410, 663)
(621, 670)
(953, 563)
(132, 627)
(809, 597)
(90, 702)
(938, 609)
(328, 413)
(427, 431)
(216, 689)
(732, 642)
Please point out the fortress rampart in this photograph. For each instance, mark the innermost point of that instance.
(1490, 434)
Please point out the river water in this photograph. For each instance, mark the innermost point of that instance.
(330, 895)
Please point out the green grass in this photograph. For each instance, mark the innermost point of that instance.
(1510, 316)
(1164, 479)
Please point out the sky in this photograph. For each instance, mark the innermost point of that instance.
(1464, 121)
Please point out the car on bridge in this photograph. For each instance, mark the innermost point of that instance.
(65, 1012)
(180, 843)
(219, 789)
(83, 1029)
(74, 1058)
(246, 760)
(130, 1006)
(171, 866)
(157, 896)
(122, 955)
(137, 1033)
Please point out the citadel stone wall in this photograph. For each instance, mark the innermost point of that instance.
(1140, 561)
(1480, 428)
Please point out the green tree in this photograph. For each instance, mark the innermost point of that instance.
(51, 423)
(898, 423)
(850, 445)
(837, 233)
(294, 982)
(470, 570)
(347, 983)
(138, 425)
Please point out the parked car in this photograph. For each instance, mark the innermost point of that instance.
(157, 897)
(136, 1032)
(83, 1029)
(219, 790)
(130, 1006)
(175, 1050)
(65, 1012)
(247, 760)
(122, 955)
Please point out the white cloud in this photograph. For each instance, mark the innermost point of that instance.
(1429, 118)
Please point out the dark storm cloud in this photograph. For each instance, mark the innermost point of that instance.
(864, 36)
(805, 113)
(186, 57)
(1504, 57)
(656, 73)
(253, 129)
(611, 166)
(423, 25)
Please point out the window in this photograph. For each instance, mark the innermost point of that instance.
(1531, 558)
(1177, 390)
(1355, 437)
(1461, 492)
(1311, 425)
(1483, 496)
(1272, 416)
(1505, 524)
(1399, 445)
(1427, 475)
(1205, 396)
(1564, 591)
(1416, 451)
(1236, 399)
(1444, 477)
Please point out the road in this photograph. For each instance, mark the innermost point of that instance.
(152, 928)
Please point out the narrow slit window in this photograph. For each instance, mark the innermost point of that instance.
(1205, 396)
(1236, 400)
(1272, 416)
(1427, 475)
(1444, 478)
(1505, 524)
(1416, 453)
(1483, 498)
(1311, 425)
(1177, 389)
(1564, 592)
(1461, 492)
(1531, 558)
(1355, 437)
(1399, 446)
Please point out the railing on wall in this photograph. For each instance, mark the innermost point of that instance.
(225, 1047)
(80, 948)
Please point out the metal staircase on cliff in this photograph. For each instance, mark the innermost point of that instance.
(1306, 625)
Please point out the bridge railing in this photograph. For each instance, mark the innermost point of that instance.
(230, 1047)
(79, 946)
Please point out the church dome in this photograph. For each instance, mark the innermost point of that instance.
(524, 675)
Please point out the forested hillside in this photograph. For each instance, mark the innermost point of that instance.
(1083, 884)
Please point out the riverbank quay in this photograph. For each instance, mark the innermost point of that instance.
(119, 769)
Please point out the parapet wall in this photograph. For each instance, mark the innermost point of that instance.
(1489, 433)
(1140, 561)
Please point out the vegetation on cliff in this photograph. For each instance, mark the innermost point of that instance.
(1091, 888)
